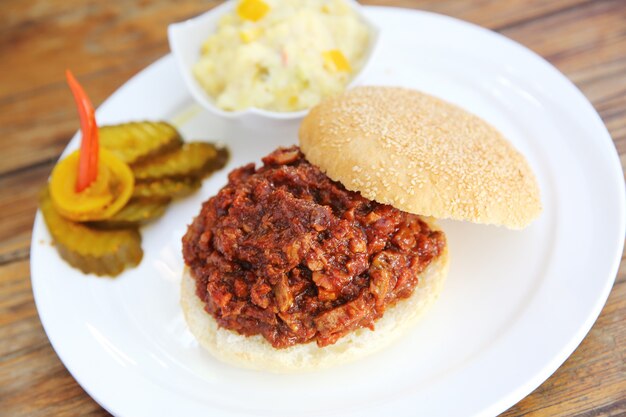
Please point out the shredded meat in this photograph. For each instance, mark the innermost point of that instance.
(287, 253)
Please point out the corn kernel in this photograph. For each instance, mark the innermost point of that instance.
(335, 60)
(250, 35)
(252, 9)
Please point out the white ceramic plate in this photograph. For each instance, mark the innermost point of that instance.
(515, 306)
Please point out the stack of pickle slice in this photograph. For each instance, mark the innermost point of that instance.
(164, 168)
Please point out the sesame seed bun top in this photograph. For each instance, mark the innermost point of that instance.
(421, 155)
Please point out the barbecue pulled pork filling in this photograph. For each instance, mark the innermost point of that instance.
(287, 253)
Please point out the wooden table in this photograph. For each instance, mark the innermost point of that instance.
(105, 43)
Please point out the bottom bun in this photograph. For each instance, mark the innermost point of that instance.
(255, 352)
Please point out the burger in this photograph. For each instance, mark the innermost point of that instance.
(329, 251)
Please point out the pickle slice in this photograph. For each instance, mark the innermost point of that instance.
(135, 213)
(101, 252)
(192, 160)
(166, 187)
(138, 141)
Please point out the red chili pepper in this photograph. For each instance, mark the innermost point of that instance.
(89, 144)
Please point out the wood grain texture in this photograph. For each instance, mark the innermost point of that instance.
(105, 43)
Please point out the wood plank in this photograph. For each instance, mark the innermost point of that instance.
(18, 204)
(86, 36)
